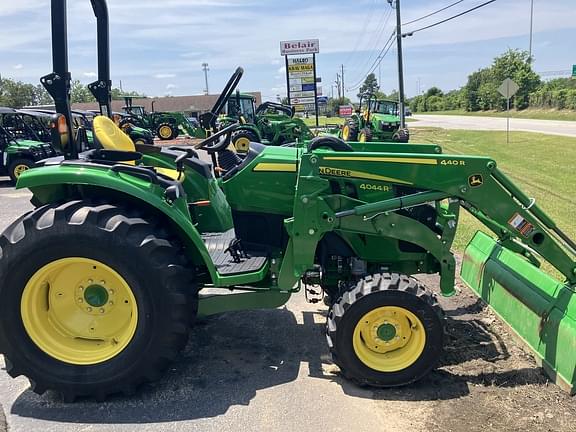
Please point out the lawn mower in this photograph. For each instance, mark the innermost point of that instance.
(379, 121)
(103, 280)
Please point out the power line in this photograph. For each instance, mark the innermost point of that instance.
(389, 43)
(411, 32)
(365, 24)
(433, 13)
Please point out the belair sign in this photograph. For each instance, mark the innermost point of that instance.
(305, 46)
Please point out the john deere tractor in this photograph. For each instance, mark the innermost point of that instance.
(375, 120)
(103, 280)
(166, 125)
(271, 123)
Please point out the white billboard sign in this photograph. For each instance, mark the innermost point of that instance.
(304, 46)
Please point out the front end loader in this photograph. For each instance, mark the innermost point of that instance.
(118, 257)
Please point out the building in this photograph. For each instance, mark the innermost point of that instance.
(191, 105)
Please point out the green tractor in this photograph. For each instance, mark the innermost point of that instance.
(166, 125)
(19, 155)
(378, 121)
(271, 123)
(127, 246)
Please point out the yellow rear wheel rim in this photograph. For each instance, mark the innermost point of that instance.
(346, 133)
(19, 169)
(389, 339)
(79, 311)
(165, 131)
(242, 144)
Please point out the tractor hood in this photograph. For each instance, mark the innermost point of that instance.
(385, 118)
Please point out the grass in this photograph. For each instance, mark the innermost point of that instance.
(541, 165)
(536, 114)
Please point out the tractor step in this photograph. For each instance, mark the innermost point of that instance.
(229, 261)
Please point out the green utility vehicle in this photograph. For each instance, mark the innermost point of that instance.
(378, 121)
(271, 123)
(19, 155)
(102, 281)
(26, 125)
(166, 125)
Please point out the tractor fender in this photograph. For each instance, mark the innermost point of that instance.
(60, 182)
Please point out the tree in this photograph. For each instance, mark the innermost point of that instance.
(370, 86)
(516, 64)
(79, 93)
(16, 94)
(434, 91)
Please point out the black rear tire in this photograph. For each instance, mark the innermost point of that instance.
(166, 131)
(372, 294)
(134, 246)
(242, 138)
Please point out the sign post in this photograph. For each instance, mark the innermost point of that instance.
(301, 79)
(574, 71)
(508, 88)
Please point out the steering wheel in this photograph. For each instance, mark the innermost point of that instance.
(219, 141)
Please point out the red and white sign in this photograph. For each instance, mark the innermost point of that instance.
(305, 46)
(345, 111)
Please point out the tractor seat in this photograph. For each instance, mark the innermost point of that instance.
(111, 137)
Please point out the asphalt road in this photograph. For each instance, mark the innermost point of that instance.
(552, 127)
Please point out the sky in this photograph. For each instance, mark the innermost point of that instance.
(158, 47)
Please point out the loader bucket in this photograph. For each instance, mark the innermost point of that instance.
(540, 310)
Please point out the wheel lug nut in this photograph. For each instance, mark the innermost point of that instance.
(102, 310)
(111, 303)
(111, 291)
(90, 281)
(80, 300)
(89, 309)
(102, 282)
(81, 288)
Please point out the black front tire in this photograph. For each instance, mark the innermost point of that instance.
(133, 245)
(373, 292)
(401, 135)
(352, 130)
(16, 168)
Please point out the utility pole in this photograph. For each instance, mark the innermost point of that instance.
(338, 85)
(531, 29)
(400, 65)
(343, 88)
(205, 69)
(121, 90)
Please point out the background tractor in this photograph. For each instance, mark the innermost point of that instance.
(166, 125)
(377, 120)
(102, 281)
(271, 123)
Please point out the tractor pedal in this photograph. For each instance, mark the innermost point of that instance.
(313, 295)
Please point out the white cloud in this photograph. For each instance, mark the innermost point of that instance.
(282, 70)
(90, 74)
(171, 86)
(18, 66)
(164, 75)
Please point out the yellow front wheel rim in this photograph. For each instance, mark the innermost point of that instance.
(389, 339)
(19, 169)
(79, 311)
(165, 132)
(362, 138)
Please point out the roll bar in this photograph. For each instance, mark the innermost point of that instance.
(208, 120)
(58, 82)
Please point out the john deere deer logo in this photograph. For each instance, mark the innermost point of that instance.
(475, 180)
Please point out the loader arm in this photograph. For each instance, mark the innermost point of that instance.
(475, 182)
